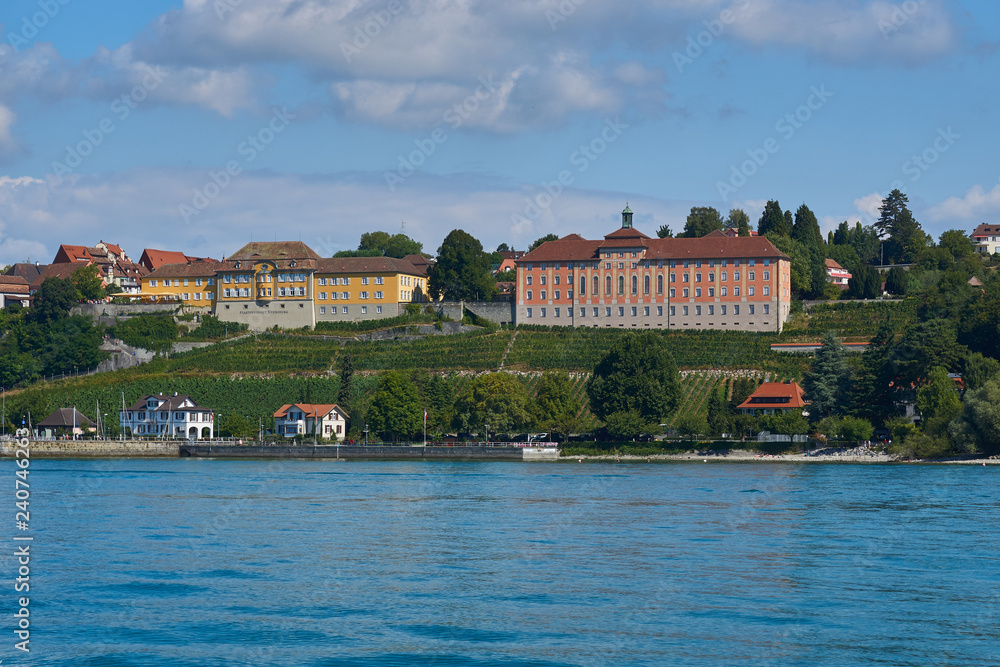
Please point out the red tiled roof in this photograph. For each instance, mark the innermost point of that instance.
(707, 247)
(986, 230)
(72, 253)
(776, 390)
(185, 270)
(367, 265)
(275, 250)
(63, 271)
(832, 264)
(311, 409)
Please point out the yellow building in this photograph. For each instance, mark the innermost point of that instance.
(364, 288)
(191, 284)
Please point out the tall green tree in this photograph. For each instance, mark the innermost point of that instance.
(88, 283)
(897, 281)
(664, 232)
(938, 401)
(383, 244)
(555, 406)
(924, 345)
(772, 220)
(806, 231)
(346, 390)
(978, 426)
(53, 300)
(395, 410)
(497, 399)
(800, 272)
(720, 414)
(865, 283)
(905, 237)
(637, 373)
(957, 243)
(827, 381)
(462, 270)
(702, 220)
(738, 220)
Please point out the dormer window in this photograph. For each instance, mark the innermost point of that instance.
(237, 265)
(292, 263)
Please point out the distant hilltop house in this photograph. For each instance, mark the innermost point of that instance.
(174, 416)
(14, 289)
(631, 280)
(986, 239)
(64, 421)
(774, 397)
(113, 265)
(837, 274)
(326, 420)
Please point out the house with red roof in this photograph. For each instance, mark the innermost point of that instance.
(325, 420)
(774, 397)
(986, 238)
(836, 274)
(629, 279)
(14, 289)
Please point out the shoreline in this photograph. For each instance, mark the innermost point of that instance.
(749, 456)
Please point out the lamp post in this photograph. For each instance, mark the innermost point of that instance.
(487, 433)
(366, 435)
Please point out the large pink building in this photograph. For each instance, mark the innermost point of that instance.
(631, 280)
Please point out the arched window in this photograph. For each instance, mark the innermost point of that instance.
(659, 284)
(583, 288)
(597, 285)
(621, 284)
(607, 285)
(645, 285)
(635, 284)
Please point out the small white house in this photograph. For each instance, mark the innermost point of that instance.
(327, 420)
(837, 274)
(159, 415)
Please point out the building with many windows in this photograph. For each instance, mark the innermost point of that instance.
(286, 283)
(631, 280)
(159, 415)
(191, 284)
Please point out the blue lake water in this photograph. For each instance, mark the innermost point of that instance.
(320, 563)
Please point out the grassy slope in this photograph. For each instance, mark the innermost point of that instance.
(255, 375)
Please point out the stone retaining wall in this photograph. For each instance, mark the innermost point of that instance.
(96, 448)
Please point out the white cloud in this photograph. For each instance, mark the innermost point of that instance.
(977, 205)
(868, 206)
(855, 32)
(84, 209)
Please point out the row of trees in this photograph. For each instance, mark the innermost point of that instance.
(633, 389)
(946, 364)
(47, 340)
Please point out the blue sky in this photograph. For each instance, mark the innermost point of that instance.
(199, 125)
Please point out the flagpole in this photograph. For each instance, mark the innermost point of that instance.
(425, 428)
